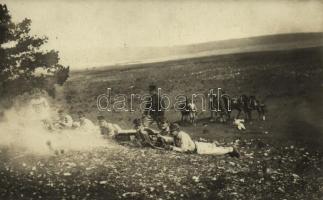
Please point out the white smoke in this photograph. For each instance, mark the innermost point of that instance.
(22, 128)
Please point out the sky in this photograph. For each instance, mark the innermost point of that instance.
(94, 32)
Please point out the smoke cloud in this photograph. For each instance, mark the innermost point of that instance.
(22, 128)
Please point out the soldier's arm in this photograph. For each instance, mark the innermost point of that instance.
(174, 148)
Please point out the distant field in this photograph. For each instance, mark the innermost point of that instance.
(126, 56)
(289, 82)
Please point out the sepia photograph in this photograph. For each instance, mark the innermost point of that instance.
(161, 100)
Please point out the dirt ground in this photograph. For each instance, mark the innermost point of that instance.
(282, 157)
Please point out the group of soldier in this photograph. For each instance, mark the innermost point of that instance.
(65, 122)
(170, 136)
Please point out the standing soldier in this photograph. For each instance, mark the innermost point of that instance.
(155, 109)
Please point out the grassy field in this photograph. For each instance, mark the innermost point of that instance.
(289, 82)
(281, 158)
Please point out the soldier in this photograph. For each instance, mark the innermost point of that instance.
(40, 106)
(64, 120)
(184, 143)
(143, 134)
(155, 109)
(86, 124)
(164, 139)
(164, 128)
(107, 129)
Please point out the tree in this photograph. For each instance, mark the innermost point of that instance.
(24, 65)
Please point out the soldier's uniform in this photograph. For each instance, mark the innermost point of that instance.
(155, 110)
(108, 129)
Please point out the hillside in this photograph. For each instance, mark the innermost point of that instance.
(281, 158)
(126, 56)
(288, 81)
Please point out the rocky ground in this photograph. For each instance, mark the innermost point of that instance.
(266, 170)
